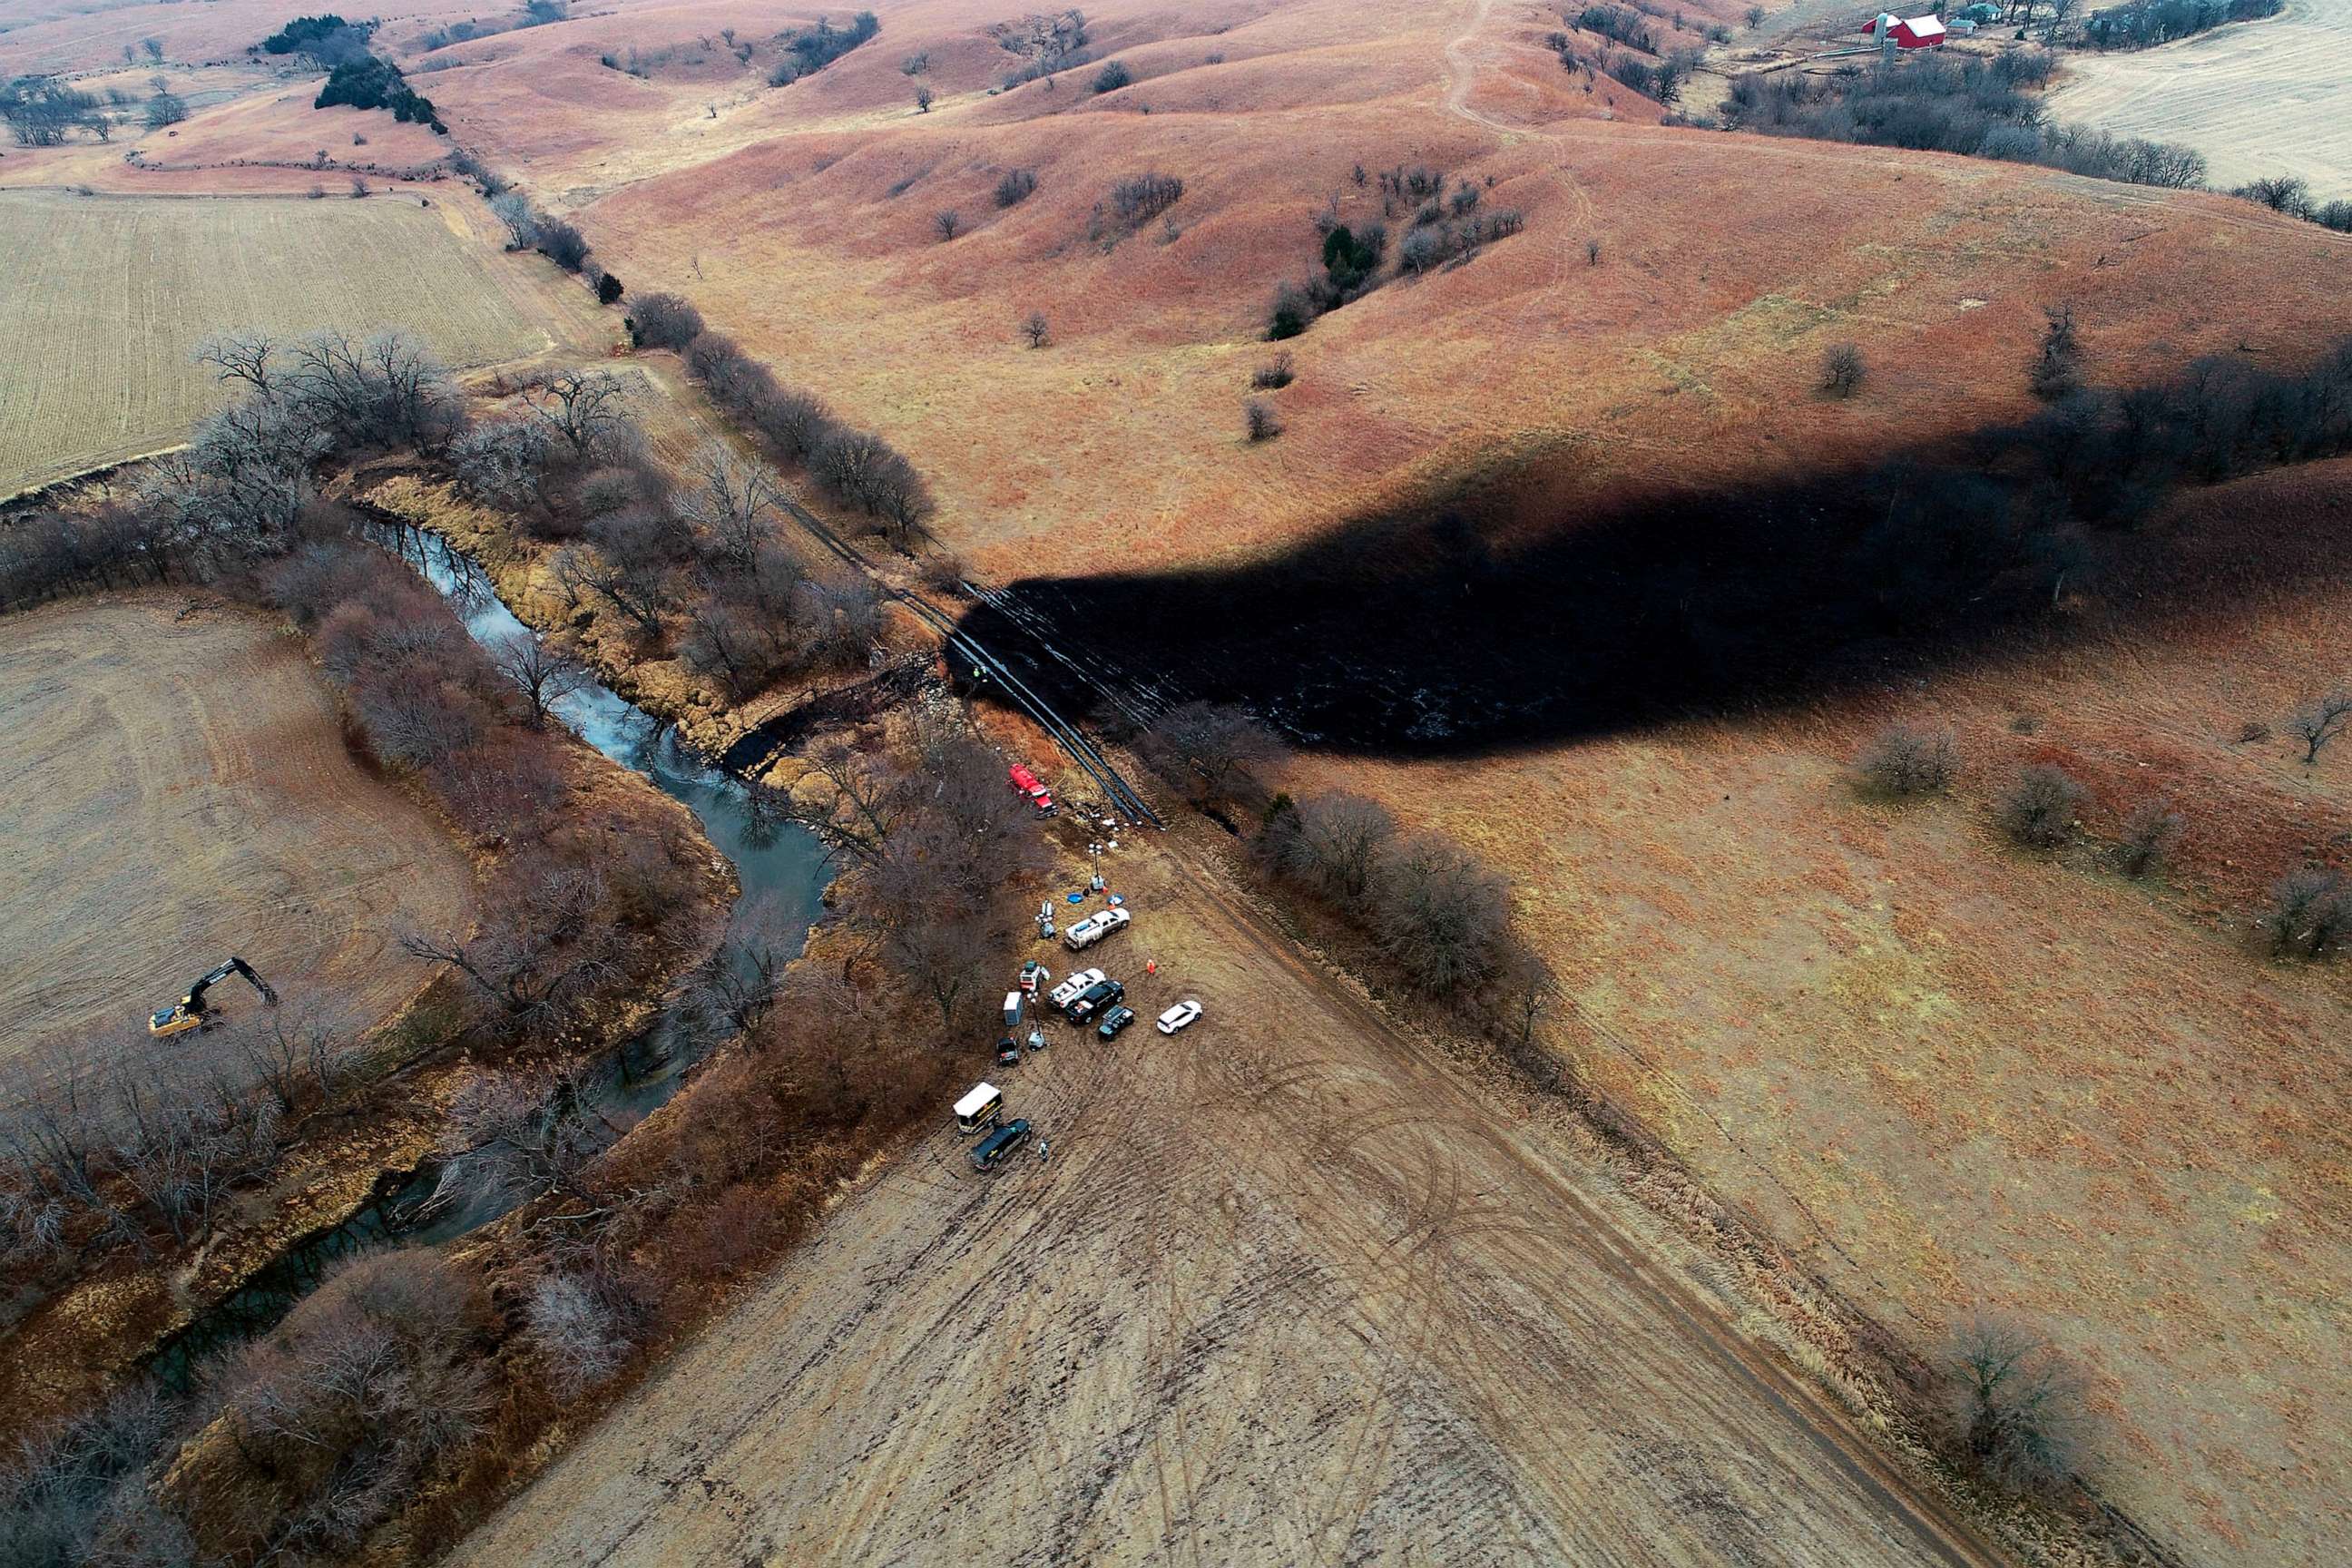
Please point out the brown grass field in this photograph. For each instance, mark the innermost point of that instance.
(113, 377)
(2261, 98)
(181, 792)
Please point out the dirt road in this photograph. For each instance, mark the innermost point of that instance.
(2262, 97)
(1287, 1292)
(179, 790)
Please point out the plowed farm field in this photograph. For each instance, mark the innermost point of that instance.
(179, 791)
(107, 297)
(1288, 1290)
(2273, 97)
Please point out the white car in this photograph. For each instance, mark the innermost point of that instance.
(1179, 1015)
(1067, 992)
(1094, 928)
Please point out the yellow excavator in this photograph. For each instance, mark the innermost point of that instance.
(190, 1012)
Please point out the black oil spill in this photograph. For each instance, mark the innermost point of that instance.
(1436, 634)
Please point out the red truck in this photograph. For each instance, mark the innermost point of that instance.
(1027, 784)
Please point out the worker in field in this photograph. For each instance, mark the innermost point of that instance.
(1041, 1148)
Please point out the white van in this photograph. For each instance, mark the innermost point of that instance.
(1094, 928)
(977, 1110)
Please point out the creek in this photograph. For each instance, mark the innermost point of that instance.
(781, 869)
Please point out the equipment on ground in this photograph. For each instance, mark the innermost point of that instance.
(1178, 1016)
(1114, 1020)
(1027, 784)
(1102, 994)
(980, 1109)
(1008, 1052)
(1094, 928)
(1033, 976)
(1000, 1143)
(190, 1012)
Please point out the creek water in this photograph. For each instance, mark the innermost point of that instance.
(781, 869)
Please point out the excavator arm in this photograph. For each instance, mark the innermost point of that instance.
(190, 1012)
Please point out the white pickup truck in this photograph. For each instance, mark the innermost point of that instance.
(1062, 995)
(1094, 928)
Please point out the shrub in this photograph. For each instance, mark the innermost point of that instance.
(1902, 760)
(2037, 810)
(1139, 199)
(2149, 834)
(2309, 914)
(561, 242)
(1113, 77)
(1273, 376)
(663, 321)
(1439, 914)
(1015, 186)
(1259, 420)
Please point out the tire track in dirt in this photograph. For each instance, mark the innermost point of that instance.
(1286, 1293)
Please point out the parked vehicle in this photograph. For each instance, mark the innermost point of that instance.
(1027, 784)
(1065, 993)
(1094, 928)
(980, 1109)
(1033, 976)
(1008, 1052)
(1114, 1020)
(1178, 1017)
(1093, 1000)
(1013, 1000)
(999, 1143)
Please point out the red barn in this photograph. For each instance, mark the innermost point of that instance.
(1908, 32)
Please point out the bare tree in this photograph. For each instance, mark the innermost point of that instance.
(1213, 748)
(248, 356)
(947, 222)
(1035, 329)
(923, 100)
(573, 1332)
(2038, 808)
(514, 1136)
(504, 461)
(513, 209)
(1331, 843)
(736, 647)
(638, 588)
(732, 499)
(328, 1425)
(541, 673)
(1439, 914)
(950, 960)
(543, 947)
(2020, 1412)
(585, 409)
(1842, 370)
(2319, 722)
